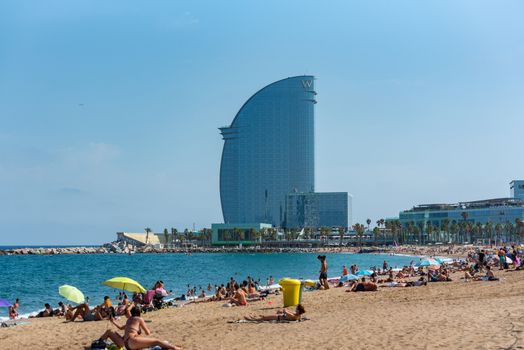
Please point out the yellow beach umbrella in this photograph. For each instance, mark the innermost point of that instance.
(71, 293)
(125, 283)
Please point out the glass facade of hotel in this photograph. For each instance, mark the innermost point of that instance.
(268, 152)
(316, 210)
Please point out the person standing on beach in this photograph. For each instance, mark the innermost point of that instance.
(323, 272)
(12, 309)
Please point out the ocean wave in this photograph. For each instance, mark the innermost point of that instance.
(27, 315)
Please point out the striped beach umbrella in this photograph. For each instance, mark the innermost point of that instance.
(428, 262)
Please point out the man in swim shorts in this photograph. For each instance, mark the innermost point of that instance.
(323, 272)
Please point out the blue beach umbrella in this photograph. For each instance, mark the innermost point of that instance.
(349, 277)
(364, 273)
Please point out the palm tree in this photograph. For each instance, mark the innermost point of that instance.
(368, 221)
(341, 235)
(488, 229)
(417, 232)
(256, 235)
(520, 227)
(324, 232)
(274, 234)
(148, 230)
(498, 231)
(396, 230)
(376, 232)
(454, 230)
(410, 230)
(307, 233)
(264, 234)
(464, 215)
(359, 229)
(166, 235)
(510, 230)
(239, 234)
(444, 226)
(174, 234)
(429, 230)
(477, 230)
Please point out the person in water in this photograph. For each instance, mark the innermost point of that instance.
(132, 340)
(323, 272)
(12, 309)
(283, 315)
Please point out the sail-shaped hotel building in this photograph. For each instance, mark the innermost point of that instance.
(267, 171)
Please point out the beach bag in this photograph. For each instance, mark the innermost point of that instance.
(98, 344)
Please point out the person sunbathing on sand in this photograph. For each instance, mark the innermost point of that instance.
(283, 315)
(362, 286)
(132, 339)
(85, 313)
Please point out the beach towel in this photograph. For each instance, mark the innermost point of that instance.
(273, 321)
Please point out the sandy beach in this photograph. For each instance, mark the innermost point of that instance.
(472, 315)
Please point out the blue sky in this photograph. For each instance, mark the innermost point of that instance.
(109, 109)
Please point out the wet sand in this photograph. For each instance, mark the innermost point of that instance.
(453, 315)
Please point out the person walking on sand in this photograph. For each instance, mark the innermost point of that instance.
(323, 272)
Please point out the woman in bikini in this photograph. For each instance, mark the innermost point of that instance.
(283, 315)
(132, 339)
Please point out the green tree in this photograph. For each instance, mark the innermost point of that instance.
(454, 230)
(376, 233)
(264, 234)
(465, 216)
(488, 230)
(444, 227)
(510, 230)
(498, 231)
(519, 227)
(368, 221)
(417, 232)
(340, 236)
(166, 238)
(429, 231)
(324, 232)
(359, 229)
(273, 234)
(477, 230)
(148, 231)
(174, 236)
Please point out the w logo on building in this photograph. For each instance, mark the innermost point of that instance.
(307, 83)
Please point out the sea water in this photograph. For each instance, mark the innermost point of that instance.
(35, 278)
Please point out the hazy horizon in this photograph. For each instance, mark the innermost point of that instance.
(110, 110)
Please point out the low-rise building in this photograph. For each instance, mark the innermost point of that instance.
(487, 220)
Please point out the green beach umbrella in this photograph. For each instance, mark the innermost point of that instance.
(71, 293)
